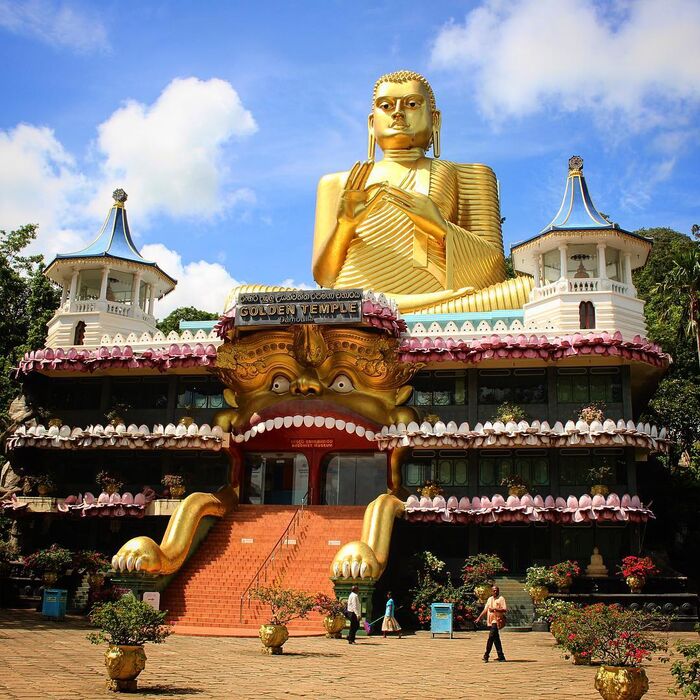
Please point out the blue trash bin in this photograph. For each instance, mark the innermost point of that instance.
(441, 618)
(54, 604)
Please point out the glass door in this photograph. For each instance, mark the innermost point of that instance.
(276, 478)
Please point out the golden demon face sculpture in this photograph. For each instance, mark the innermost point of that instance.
(314, 369)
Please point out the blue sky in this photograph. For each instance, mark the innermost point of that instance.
(218, 118)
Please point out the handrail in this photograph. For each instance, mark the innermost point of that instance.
(291, 527)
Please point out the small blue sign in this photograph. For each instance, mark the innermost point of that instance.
(441, 618)
(54, 604)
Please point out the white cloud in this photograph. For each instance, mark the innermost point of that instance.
(204, 285)
(55, 23)
(40, 184)
(639, 63)
(170, 156)
(290, 282)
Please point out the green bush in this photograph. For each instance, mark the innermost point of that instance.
(686, 672)
(285, 604)
(128, 622)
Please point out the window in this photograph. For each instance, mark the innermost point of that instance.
(586, 315)
(143, 393)
(79, 335)
(582, 261)
(75, 394)
(439, 389)
(119, 286)
(580, 384)
(515, 385)
(200, 392)
(552, 266)
(574, 465)
(449, 467)
(354, 479)
(531, 465)
(89, 284)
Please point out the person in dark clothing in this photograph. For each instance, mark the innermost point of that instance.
(495, 611)
(355, 613)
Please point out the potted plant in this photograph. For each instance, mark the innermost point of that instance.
(576, 637)
(430, 488)
(8, 554)
(285, 605)
(509, 413)
(600, 477)
(51, 563)
(563, 574)
(333, 611)
(636, 571)
(517, 486)
(126, 625)
(537, 581)
(109, 482)
(593, 411)
(175, 484)
(553, 611)
(45, 484)
(187, 418)
(686, 671)
(94, 564)
(479, 572)
(623, 640)
(116, 413)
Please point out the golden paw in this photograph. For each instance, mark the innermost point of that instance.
(356, 560)
(139, 554)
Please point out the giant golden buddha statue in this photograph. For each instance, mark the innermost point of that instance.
(423, 231)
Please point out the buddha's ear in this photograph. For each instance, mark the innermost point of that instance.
(371, 141)
(403, 394)
(437, 123)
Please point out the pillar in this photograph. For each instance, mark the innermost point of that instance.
(103, 286)
(602, 266)
(73, 286)
(563, 259)
(627, 268)
(539, 277)
(151, 299)
(64, 294)
(136, 289)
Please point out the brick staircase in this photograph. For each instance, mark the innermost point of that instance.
(204, 597)
(520, 608)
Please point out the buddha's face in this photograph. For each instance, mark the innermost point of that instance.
(401, 117)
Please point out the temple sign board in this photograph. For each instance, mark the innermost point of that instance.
(322, 306)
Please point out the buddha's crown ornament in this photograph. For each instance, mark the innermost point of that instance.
(120, 196)
(575, 164)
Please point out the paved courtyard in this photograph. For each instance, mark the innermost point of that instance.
(47, 660)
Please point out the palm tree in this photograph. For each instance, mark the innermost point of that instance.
(684, 279)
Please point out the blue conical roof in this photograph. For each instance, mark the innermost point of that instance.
(577, 210)
(114, 239)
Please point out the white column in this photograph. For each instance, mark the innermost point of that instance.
(103, 286)
(64, 294)
(73, 286)
(152, 292)
(136, 290)
(539, 277)
(602, 264)
(563, 259)
(627, 268)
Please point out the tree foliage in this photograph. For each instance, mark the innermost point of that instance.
(184, 313)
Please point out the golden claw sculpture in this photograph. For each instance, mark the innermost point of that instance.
(367, 558)
(142, 554)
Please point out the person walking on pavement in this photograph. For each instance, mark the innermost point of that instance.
(355, 613)
(495, 611)
(389, 624)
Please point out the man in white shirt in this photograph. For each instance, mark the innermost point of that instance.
(355, 612)
(495, 611)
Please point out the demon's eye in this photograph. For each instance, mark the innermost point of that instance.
(342, 384)
(280, 384)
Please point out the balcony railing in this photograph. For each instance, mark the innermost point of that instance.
(82, 306)
(583, 286)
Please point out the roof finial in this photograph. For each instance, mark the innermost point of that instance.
(575, 165)
(119, 196)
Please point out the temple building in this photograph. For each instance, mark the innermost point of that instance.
(307, 425)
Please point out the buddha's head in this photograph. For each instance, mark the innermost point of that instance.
(403, 114)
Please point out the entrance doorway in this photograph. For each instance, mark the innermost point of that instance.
(353, 479)
(280, 478)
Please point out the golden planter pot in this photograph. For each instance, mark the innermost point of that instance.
(538, 593)
(621, 682)
(50, 578)
(334, 626)
(43, 490)
(636, 583)
(177, 491)
(518, 491)
(110, 489)
(186, 421)
(273, 638)
(599, 490)
(124, 663)
(482, 592)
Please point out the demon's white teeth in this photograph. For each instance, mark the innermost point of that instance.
(360, 430)
(298, 421)
(287, 421)
(269, 424)
(369, 434)
(350, 427)
(308, 421)
(246, 436)
(340, 424)
(278, 423)
(319, 421)
(330, 422)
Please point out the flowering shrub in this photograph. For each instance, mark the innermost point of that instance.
(285, 604)
(642, 567)
(686, 671)
(538, 576)
(481, 569)
(515, 481)
(509, 412)
(107, 479)
(173, 480)
(594, 411)
(602, 474)
(89, 561)
(329, 606)
(430, 488)
(54, 559)
(563, 572)
(8, 552)
(552, 609)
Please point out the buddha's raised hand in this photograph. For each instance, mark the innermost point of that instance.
(420, 208)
